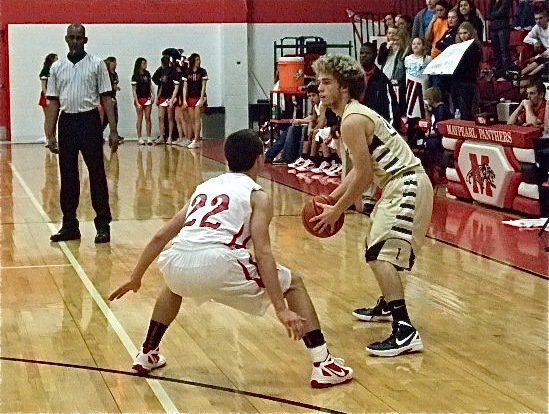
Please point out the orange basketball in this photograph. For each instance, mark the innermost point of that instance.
(311, 209)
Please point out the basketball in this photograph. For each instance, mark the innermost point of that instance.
(311, 209)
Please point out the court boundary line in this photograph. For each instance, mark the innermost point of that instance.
(528, 271)
(160, 393)
(176, 381)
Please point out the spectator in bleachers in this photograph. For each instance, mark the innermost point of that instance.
(539, 35)
(538, 39)
(391, 58)
(379, 94)
(465, 78)
(467, 12)
(326, 138)
(416, 85)
(325, 126)
(438, 26)
(385, 47)
(389, 21)
(289, 141)
(524, 19)
(531, 111)
(437, 111)
(499, 12)
(422, 21)
(405, 23)
(449, 38)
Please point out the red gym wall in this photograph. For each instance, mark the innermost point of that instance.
(167, 11)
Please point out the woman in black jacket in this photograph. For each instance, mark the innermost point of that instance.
(465, 78)
(498, 14)
(449, 38)
(467, 11)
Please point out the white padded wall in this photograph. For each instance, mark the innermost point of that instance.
(235, 76)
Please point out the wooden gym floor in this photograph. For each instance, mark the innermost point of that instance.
(64, 348)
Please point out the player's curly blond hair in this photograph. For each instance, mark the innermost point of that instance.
(346, 70)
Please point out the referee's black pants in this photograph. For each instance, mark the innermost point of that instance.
(82, 132)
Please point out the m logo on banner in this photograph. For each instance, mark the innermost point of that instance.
(481, 175)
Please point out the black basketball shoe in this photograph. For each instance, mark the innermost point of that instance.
(403, 339)
(380, 312)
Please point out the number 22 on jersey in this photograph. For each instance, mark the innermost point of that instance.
(200, 204)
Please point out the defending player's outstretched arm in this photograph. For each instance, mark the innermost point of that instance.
(262, 213)
(151, 251)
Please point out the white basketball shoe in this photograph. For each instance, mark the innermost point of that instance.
(332, 371)
(145, 362)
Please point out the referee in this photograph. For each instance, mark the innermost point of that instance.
(76, 86)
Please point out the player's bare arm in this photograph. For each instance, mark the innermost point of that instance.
(173, 98)
(151, 252)
(262, 213)
(354, 132)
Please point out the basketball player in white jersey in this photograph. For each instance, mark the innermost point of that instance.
(209, 260)
(402, 215)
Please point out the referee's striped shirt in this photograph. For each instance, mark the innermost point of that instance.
(78, 85)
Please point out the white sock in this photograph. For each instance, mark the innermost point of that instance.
(320, 353)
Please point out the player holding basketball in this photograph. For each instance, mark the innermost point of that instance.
(402, 215)
(209, 259)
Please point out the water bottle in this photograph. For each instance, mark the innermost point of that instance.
(274, 112)
(457, 114)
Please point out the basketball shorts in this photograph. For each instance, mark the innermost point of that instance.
(222, 275)
(144, 101)
(162, 101)
(400, 220)
(193, 100)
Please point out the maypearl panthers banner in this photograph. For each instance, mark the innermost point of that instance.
(486, 171)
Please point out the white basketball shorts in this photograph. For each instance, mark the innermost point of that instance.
(226, 276)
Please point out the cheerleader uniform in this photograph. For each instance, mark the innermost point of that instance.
(44, 75)
(142, 84)
(194, 85)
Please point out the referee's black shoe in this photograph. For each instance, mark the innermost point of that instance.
(103, 236)
(65, 235)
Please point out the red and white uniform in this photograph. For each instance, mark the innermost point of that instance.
(209, 258)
